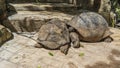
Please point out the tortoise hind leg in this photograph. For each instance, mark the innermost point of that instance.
(108, 39)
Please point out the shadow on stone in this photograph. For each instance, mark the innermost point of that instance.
(113, 62)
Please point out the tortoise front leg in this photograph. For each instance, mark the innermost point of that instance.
(75, 40)
(37, 45)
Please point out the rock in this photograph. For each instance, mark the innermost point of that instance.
(5, 35)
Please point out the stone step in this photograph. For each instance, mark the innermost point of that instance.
(43, 7)
(40, 14)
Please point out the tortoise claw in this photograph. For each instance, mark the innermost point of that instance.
(76, 44)
(64, 49)
(37, 45)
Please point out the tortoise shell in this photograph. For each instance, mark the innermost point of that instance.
(53, 34)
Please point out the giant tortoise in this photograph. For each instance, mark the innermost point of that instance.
(91, 27)
(55, 35)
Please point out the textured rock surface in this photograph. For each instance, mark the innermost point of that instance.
(5, 34)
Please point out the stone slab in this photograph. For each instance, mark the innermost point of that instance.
(6, 64)
(94, 55)
(5, 54)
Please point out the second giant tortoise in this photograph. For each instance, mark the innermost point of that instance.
(91, 27)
